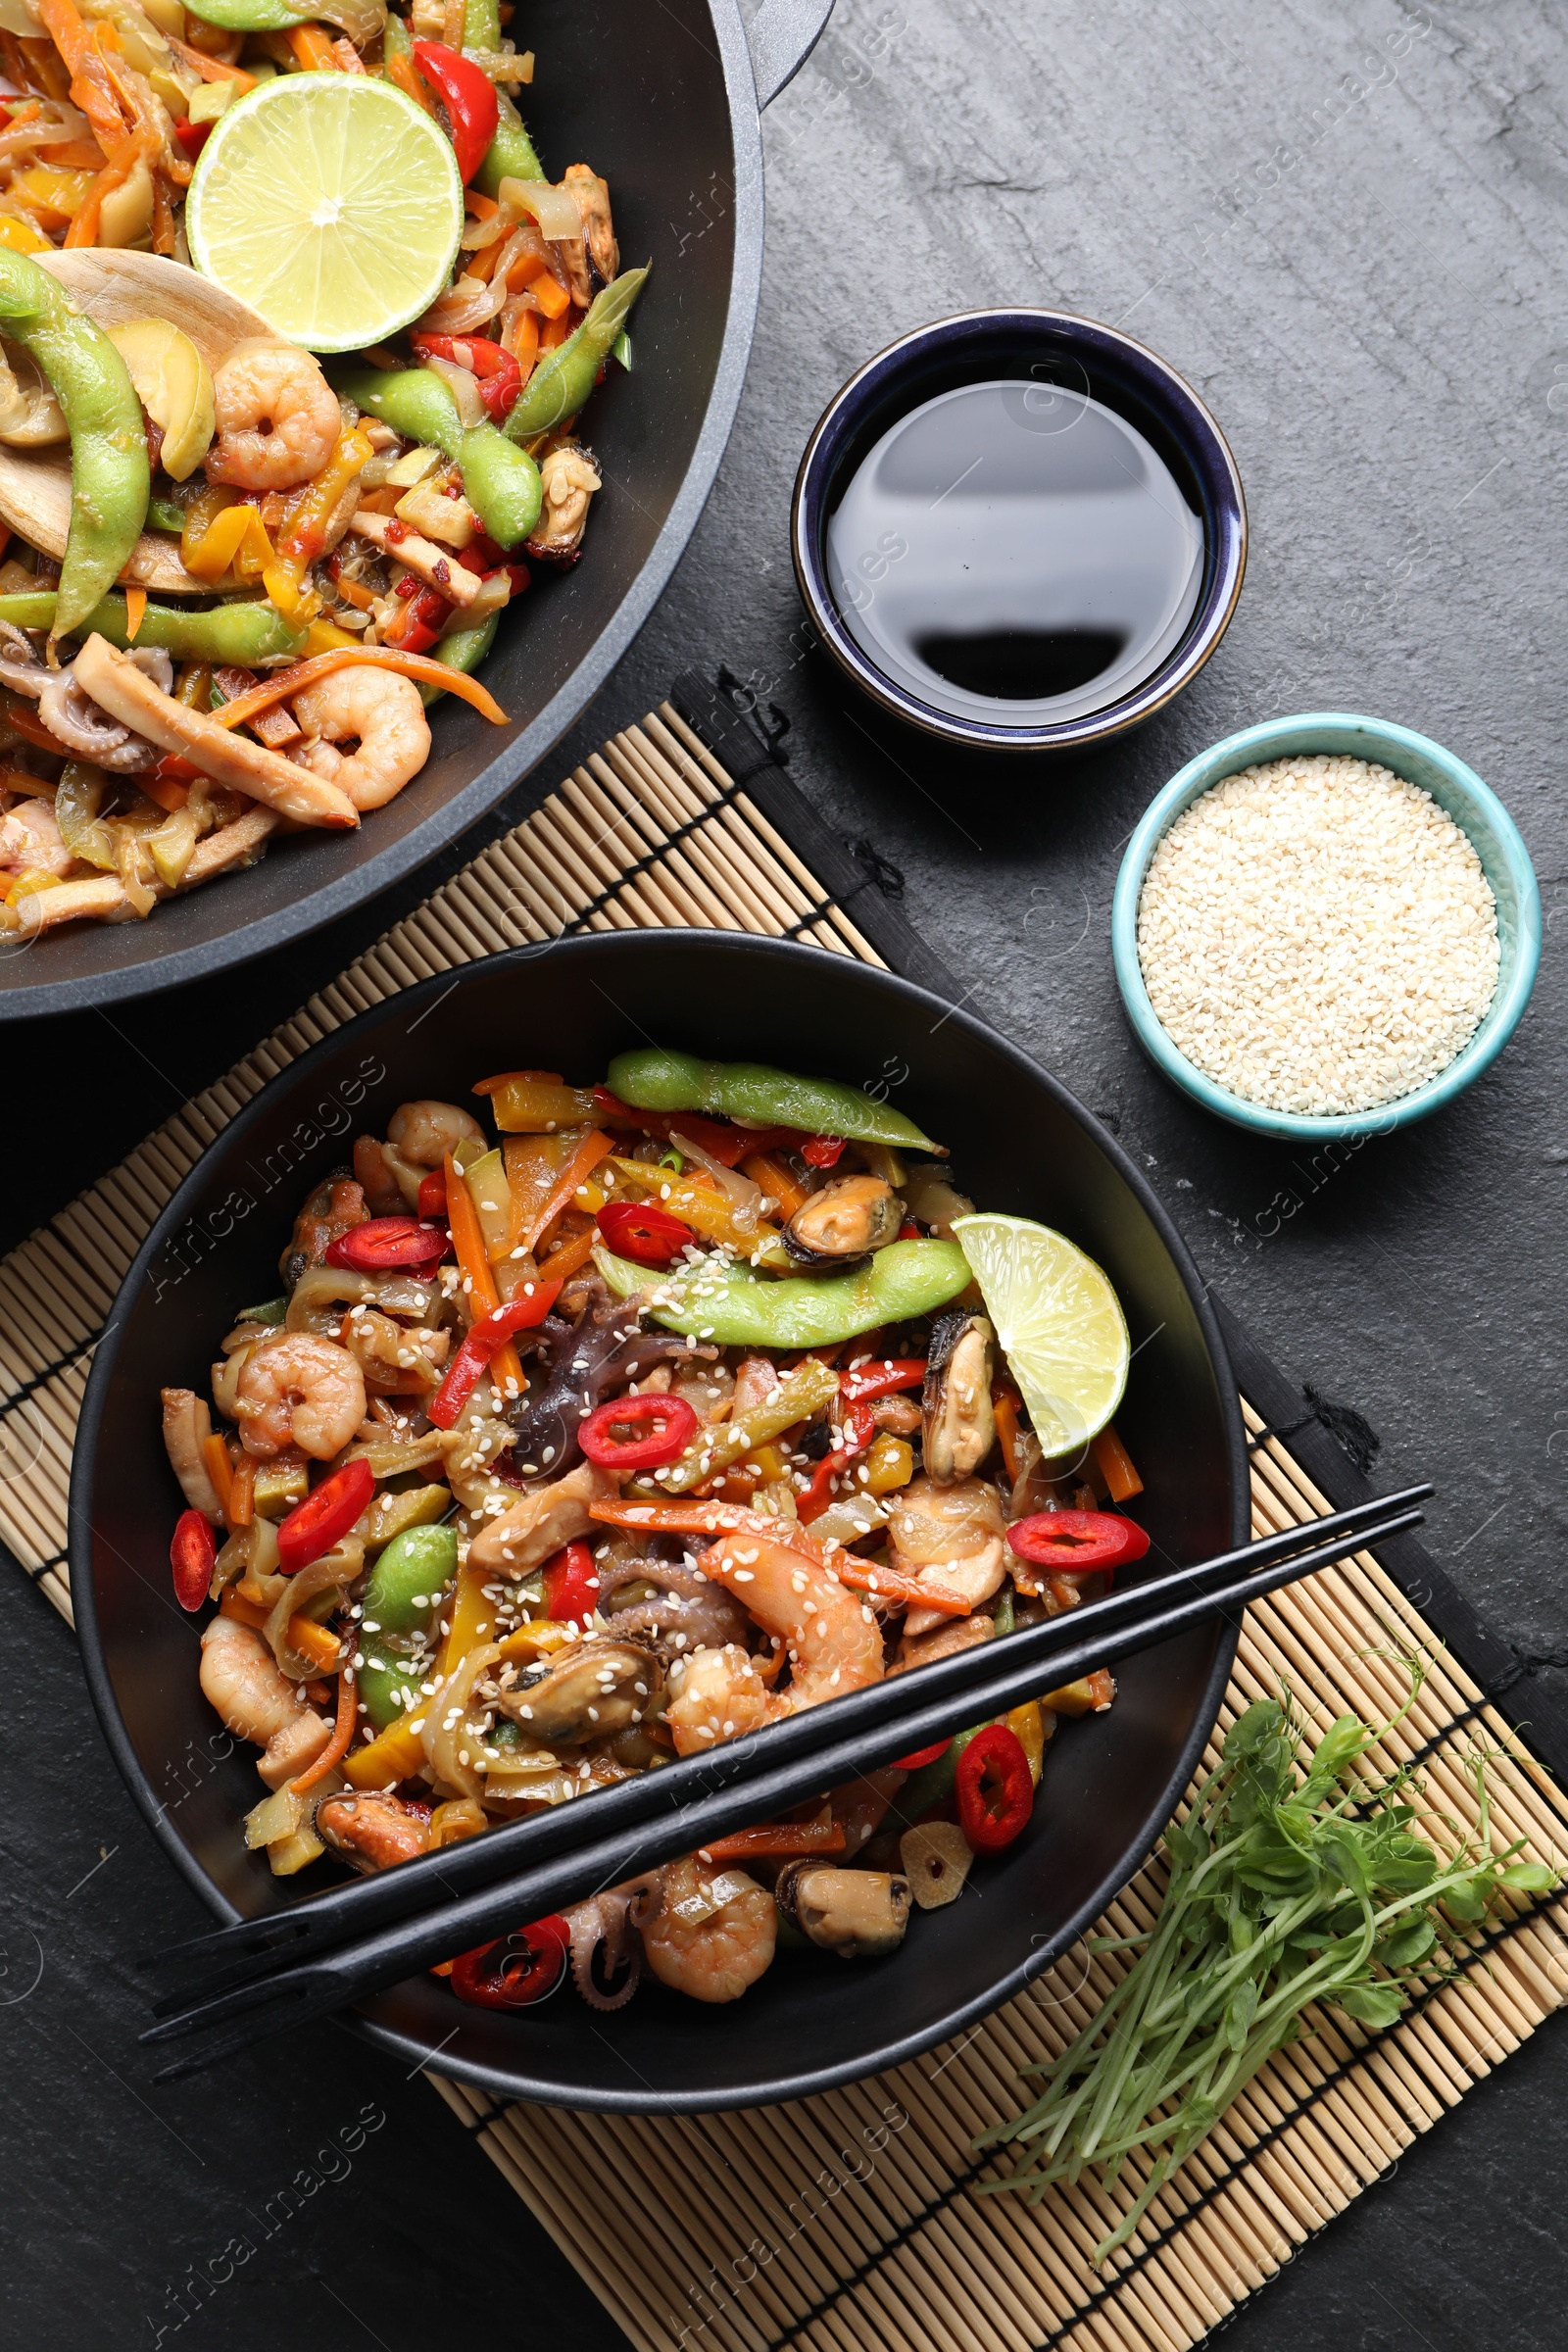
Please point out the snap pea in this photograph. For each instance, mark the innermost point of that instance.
(510, 154)
(401, 1596)
(653, 1078)
(724, 1300)
(481, 25)
(500, 481)
(462, 648)
(561, 383)
(247, 16)
(240, 633)
(109, 471)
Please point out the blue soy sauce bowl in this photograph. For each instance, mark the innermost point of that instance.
(1474, 809)
(1019, 531)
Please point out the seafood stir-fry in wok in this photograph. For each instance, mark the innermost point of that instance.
(607, 1428)
(236, 574)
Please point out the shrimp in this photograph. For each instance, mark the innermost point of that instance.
(709, 1933)
(382, 713)
(833, 1641)
(31, 837)
(295, 1389)
(257, 1701)
(278, 418)
(950, 1535)
(424, 1131)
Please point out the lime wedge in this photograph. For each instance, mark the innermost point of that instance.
(331, 203)
(1059, 1323)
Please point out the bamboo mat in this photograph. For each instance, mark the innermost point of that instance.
(848, 2219)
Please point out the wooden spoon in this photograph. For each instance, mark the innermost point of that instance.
(114, 288)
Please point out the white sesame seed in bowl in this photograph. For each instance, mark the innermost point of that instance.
(1324, 926)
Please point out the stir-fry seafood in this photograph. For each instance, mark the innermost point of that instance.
(236, 576)
(670, 1412)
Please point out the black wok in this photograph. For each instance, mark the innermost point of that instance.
(1024, 1144)
(664, 102)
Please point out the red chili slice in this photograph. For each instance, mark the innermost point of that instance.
(995, 1789)
(433, 1193)
(920, 1756)
(571, 1586)
(669, 1423)
(191, 1556)
(648, 1236)
(382, 1243)
(1077, 1543)
(483, 1342)
(327, 1513)
(522, 1968)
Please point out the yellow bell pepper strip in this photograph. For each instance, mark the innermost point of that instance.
(533, 1164)
(305, 534)
(20, 236)
(723, 1300)
(587, 1155)
(473, 1619)
(395, 1754)
(215, 1453)
(1116, 1465)
(799, 1395)
(707, 1212)
(482, 1297)
(286, 683)
(527, 1103)
(229, 538)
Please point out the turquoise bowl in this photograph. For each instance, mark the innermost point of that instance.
(1473, 807)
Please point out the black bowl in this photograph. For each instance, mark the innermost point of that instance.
(1023, 1144)
(1058, 360)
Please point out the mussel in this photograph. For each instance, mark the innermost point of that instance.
(961, 1426)
(860, 1914)
(846, 1220)
(587, 1693)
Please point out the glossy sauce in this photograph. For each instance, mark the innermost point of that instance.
(1014, 553)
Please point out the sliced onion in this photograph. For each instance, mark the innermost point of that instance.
(463, 308)
(456, 1697)
(465, 388)
(361, 20)
(555, 210)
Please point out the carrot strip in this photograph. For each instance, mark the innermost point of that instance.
(242, 1492)
(314, 50)
(136, 611)
(313, 1642)
(462, 1218)
(402, 72)
(167, 791)
(713, 1517)
(886, 1584)
(1004, 1406)
(284, 683)
(248, 1612)
(337, 1747)
(215, 1453)
(577, 1170)
(786, 1841)
(209, 67)
(569, 1258)
(1116, 1465)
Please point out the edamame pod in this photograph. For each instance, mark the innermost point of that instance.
(510, 154)
(403, 1595)
(653, 1078)
(723, 1298)
(240, 633)
(109, 471)
(462, 648)
(500, 481)
(561, 383)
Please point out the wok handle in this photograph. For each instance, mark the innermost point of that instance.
(782, 35)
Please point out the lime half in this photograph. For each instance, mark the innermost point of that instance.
(331, 203)
(1059, 1323)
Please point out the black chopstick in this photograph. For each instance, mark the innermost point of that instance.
(295, 1995)
(332, 1918)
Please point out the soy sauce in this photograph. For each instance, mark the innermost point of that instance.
(1016, 552)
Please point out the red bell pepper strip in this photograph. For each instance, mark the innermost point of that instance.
(920, 1757)
(500, 377)
(524, 1967)
(881, 1379)
(822, 1151)
(571, 1586)
(469, 98)
(382, 1243)
(1077, 1543)
(192, 136)
(327, 1513)
(191, 1556)
(995, 1789)
(648, 1236)
(483, 1342)
(433, 1193)
(777, 1841)
(423, 622)
(669, 1425)
(722, 1142)
(858, 1431)
(910, 1231)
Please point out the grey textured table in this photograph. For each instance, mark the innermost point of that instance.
(1347, 226)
